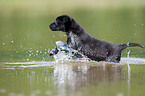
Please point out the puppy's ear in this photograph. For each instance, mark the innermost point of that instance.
(67, 19)
(67, 22)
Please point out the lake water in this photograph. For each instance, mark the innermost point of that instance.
(73, 78)
(26, 69)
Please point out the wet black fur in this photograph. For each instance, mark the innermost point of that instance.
(79, 39)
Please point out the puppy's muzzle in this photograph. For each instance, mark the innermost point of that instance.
(53, 27)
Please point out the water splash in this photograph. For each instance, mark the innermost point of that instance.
(132, 60)
(3, 43)
(128, 73)
(128, 60)
(62, 56)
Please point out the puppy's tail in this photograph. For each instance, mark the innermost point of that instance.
(126, 45)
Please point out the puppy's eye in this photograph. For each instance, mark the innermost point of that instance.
(56, 23)
(65, 19)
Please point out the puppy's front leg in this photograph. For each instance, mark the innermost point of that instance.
(54, 51)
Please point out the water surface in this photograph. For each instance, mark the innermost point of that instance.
(72, 78)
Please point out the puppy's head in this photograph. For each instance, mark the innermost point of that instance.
(62, 23)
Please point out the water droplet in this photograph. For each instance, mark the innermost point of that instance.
(134, 33)
(21, 46)
(43, 58)
(48, 50)
(27, 59)
(3, 43)
(12, 41)
(142, 24)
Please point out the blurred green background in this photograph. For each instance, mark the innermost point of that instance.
(24, 24)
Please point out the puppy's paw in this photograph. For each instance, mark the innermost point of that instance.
(53, 52)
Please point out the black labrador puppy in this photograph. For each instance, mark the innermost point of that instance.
(80, 40)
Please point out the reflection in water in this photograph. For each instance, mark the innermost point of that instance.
(70, 78)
